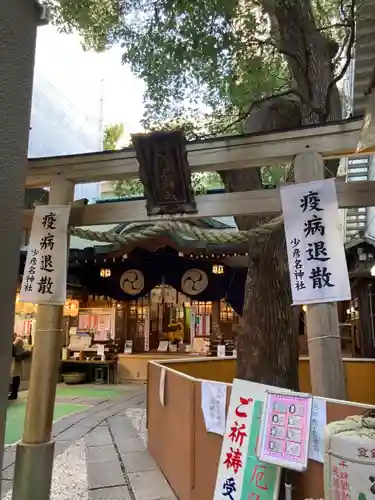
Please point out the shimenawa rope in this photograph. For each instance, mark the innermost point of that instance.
(211, 236)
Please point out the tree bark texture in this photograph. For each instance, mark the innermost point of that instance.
(268, 344)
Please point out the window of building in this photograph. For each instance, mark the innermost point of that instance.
(354, 225)
(359, 217)
(357, 178)
(226, 312)
(138, 308)
(202, 307)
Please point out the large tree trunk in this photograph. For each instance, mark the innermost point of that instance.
(268, 344)
(267, 350)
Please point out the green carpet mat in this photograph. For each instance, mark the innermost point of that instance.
(16, 417)
(82, 391)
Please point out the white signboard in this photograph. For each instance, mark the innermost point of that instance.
(214, 396)
(316, 255)
(128, 347)
(44, 277)
(221, 351)
(241, 475)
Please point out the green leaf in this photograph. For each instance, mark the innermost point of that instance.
(204, 62)
(112, 136)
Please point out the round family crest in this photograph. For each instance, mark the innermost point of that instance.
(194, 281)
(132, 282)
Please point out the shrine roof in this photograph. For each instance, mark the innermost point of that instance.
(359, 240)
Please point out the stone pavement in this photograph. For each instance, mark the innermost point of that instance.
(101, 454)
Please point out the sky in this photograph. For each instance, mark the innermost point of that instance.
(82, 77)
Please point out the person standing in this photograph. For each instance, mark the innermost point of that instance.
(19, 353)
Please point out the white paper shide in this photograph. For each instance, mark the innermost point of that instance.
(44, 277)
(316, 255)
(214, 396)
(317, 427)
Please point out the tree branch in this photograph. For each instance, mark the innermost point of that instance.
(255, 103)
(339, 53)
(273, 44)
(349, 49)
(333, 26)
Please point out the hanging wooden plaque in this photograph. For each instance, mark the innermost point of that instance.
(164, 172)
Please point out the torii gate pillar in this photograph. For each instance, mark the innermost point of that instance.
(323, 335)
(34, 458)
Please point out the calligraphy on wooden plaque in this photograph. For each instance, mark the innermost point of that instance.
(164, 172)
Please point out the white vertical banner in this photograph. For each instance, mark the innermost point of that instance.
(240, 474)
(316, 255)
(147, 332)
(44, 277)
(193, 316)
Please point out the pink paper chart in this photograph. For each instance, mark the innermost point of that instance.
(287, 428)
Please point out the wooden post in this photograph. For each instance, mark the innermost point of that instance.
(34, 458)
(323, 335)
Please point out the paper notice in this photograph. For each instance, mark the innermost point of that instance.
(214, 396)
(162, 386)
(318, 423)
